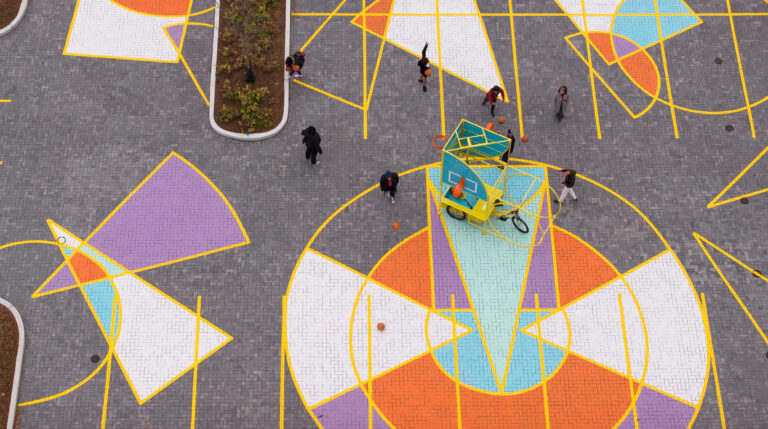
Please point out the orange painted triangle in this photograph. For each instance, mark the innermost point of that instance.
(86, 269)
(407, 270)
(375, 24)
(580, 269)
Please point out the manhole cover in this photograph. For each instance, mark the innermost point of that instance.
(718, 60)
(729, 128)
(95, 358)
(61, 240)
(757, 273)
(744, 200)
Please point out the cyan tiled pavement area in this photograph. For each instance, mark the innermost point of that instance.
(81, 133)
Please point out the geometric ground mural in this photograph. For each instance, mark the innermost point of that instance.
(552, 335)
(175, 214)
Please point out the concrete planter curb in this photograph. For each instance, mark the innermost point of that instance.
(211, 114)
(22, 10)
(17, 370)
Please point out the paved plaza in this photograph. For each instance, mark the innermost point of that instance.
(170, 277)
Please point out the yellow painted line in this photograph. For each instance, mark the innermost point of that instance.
(370, 364)
(194, 368)
(378, 60)
(666, 71)
(456, 360)
(203, 11)
(184, 30)
(71, 389)
(514, 62)
(282, 362)
(320, 28)
(5, 101)
(71, 24)
(705, 313)
(109, 364)
(365, 74)
(591, 71)
(541, 361)
(702, 240)
(741, 70)
(537, 14)
(329, 95)
(440, 68)
(714, 202)
(200, 90)
(629, 362)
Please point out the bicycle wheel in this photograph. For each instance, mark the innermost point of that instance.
(455, 213)
(520, 224)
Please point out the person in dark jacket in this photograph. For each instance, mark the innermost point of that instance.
(561, 102)
(294, 64)
(312, 142)
(424, 69)
(388, 184)
(491, 97)
(570, 180)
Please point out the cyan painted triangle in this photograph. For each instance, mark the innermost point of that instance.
(474, 366)
(493, 268)
(101, 295)
(69, 252)
(525, 365)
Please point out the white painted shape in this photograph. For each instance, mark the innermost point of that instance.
(456, 6)
(554, 329)
(411, 32)
(465, 50)
(320, 304)
(414, 6)
(157, 336)
(594, 23)
(596, 331)
(676, 336)
(403, 337)
(102, 28)
(70, 240)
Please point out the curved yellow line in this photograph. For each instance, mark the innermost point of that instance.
(73, 388)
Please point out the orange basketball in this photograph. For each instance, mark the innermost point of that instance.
(428, 72)
(296, 68)
(524, 139)
(490, 126)
(395, 225)
(501, 120)
(380, 326)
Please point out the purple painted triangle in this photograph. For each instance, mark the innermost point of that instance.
(623, 46)
(348, 411)
(62, 279)
(176, 32)
(175, 214)
(446, 273)
(541, 273)
(658, 411)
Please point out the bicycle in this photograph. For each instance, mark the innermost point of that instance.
(503, 215)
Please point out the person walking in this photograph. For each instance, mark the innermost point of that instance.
(491, 97)
(388, 184)
(294, 64)
(424, 69)
(312, 142)
(505, 155)
(561, 102)
(570, 180)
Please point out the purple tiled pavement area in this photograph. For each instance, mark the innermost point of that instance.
(446, 273)
(348, 411)
(541, 274)
(658, 411)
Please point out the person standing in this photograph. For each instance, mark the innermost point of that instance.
(491, 97)
(570, 180)
(505, 155)
(561, 102)
(294, 64)
(312, 142)
(388, 184)
(424, 69)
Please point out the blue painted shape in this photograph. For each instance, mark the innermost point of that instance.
(496, 291)
(454, 169)
(68, 252)
(109, 267)
(101, 295)
(644, 30)
(474, 366)
(525, 364)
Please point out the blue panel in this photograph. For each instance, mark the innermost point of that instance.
(454, 169)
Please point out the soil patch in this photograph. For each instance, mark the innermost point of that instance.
(255, 107)
(8, 11)
(9, 344)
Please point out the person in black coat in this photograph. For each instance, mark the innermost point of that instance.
(424, 69)
(388, 184)
(570, 180)
(312, 142)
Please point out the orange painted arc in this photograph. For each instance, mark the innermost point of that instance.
(156, 7)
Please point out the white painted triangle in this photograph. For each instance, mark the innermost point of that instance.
(596, 329)
(62, 236)
(463, 46)
(404, 336)
(156, 342)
